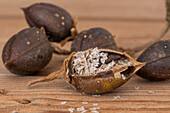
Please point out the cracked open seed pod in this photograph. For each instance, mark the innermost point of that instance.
(95, 71)
(57, 22)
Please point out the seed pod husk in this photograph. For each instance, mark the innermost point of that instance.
(27, 52)
(56, 21)
(94, 37)
(157, 58)
(118, 69)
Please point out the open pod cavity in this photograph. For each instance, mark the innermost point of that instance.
(95, 71)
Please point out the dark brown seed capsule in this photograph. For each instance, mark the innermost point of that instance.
(157, 58)
(94, 37)
(27, 52)
(56, 21)
(95, 71)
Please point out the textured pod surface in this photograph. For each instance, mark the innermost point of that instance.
(103, 81)
(94, 37)
(56, 21)
(27, 52)
(157, 58)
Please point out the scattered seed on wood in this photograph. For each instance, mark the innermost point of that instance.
(80, 108)
(64, 102)
(84, 102)
(116, 97)
(151, 92)
(95, 104)
(96, 95)
(71, 110)
(94, 112)
(136, 88)
(94, 108)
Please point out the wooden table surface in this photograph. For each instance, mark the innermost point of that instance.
(134, 22)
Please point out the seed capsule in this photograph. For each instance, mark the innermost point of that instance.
(157, 58)
(56, 21)
(94, 37)
(27, 52)
(95, 71)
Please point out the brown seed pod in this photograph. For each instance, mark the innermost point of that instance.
(57, 22)
(157, 58)
(27, 52)
(94, 37)
(95, 71)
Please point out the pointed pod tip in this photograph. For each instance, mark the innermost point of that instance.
(24, 9)
(29, 84)
(140, 65)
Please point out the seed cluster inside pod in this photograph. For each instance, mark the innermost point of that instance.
(96, 61)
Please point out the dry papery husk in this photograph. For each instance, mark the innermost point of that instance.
(98, 83)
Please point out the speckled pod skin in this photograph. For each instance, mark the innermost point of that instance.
(101, 82)
(56, 21)
(157, 58)
(94, 37)
(27, 52)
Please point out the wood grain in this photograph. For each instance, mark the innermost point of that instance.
(133, 22)
(97, 9)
